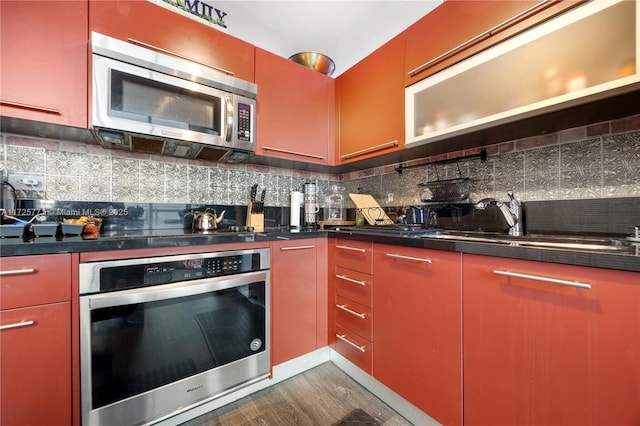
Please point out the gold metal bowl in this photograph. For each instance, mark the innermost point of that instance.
(316, 61)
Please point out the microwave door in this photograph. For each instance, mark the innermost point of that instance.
(147, 102)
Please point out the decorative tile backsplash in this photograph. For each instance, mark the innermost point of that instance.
(596, 161)
(79, 172)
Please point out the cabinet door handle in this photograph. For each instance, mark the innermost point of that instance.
(476, 39)
(354, 313)
(297, 248)
(16, 325)
(32, 107)
(542, 279)
(351, 280)
(370, 149)
(17, 272)
(286, 151)
(414, 259)
(176, 55)
(349, 342)
(228, 120)
(361, 250)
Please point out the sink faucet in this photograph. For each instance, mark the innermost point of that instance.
(512, 213)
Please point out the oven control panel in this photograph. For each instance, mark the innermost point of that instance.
(193, 269)
(115, 275)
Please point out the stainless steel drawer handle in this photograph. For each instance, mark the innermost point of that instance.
(31, 107)
(351, 280)
(176, 55)
(361, 250)
(477, 38)
(349, 342)
(17, 272)
(297, 248)
(542, 279)
(414, 259)
(354, 313)
(286, 151)
(16, 325)
(368, 150)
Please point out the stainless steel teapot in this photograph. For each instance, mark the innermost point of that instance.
(206, 220)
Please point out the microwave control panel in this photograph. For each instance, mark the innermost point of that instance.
(244, 122)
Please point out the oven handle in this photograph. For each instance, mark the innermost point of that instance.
(172, 291)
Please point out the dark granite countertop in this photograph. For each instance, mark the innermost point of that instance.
(628, 260)
(144, 240)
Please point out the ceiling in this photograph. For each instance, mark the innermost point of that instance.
(344, 30)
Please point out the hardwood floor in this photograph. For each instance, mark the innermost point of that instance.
(321, 396)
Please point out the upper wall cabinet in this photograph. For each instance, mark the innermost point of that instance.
(295, 111)
(43, 61)
(370, 103)
(156, 27)
(586, 54)
(458, 29)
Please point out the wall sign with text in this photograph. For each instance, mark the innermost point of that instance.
(203, 9)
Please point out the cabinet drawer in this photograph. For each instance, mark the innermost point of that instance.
(354, 255)
(354, 317)
(355, 348)
(355, 286)
(34, 280)
(35, 359)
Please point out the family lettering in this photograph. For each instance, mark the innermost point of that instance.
(201, 9)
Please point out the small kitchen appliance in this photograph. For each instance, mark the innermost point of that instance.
(146, 99)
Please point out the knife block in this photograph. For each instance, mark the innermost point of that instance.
(255, 215)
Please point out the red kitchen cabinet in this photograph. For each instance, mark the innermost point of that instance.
(351, 308)
(294, 313)
(142, 21)
(354, 255)
(418, 328)
(295, 111)
(539, 350)
(34, 280)
(462, 23)
(43, 61)
(370, 102)
(35, 340)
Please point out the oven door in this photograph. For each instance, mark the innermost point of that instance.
(151, 352)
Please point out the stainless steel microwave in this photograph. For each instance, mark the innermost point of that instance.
(150, 101)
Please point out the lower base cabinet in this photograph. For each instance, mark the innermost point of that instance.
(548, 344)
(294, 313)
(351, 313)
(35, 340)
(35, 365)
(417, 328)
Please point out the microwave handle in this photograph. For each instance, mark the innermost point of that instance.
(228, 119)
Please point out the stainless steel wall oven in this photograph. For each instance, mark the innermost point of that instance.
(160, 335)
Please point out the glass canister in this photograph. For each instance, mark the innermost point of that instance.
(334, 203)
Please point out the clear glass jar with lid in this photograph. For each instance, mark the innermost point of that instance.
(334, 204)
